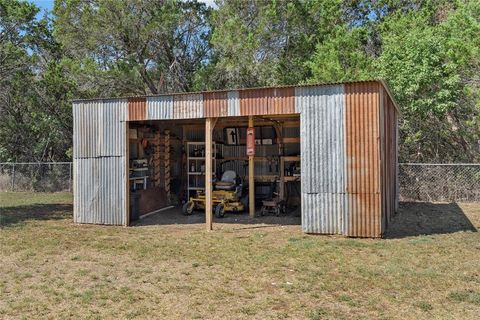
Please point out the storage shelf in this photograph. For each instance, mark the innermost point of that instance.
(197, 178)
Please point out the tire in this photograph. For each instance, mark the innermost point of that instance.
(277, 211)
(220, 211)
(187, 208)
(263, 211)
(244, 201)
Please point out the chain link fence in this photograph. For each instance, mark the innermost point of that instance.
(418, 181)
(439, 182)
(41, 177)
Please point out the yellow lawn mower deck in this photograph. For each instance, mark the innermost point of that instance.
(222, 200)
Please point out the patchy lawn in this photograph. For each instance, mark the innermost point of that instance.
(51, 268)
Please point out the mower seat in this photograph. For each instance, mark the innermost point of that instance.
(228, 181)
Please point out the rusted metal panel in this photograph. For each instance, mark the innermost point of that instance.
(233, 104)
(389, 140)
(267, 101)
(363, 159)
(137, 109)
(100, 190)
(363, 216)
(216, 104)
(99, 128)
(323, 212)
(362, 137)
(322, 126)
(188, 106)
(160, 108)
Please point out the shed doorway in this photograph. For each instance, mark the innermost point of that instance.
(168, 166)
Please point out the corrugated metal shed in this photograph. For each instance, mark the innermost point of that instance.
(99, 163)
(323, 157)
(99, 190)
(348, 136)
(160, 108)
(97, 127)
(188, 106)
(267, 101)
(363, 158)
(233, 104)
(323, 212)
(137, 109)
(216, 104)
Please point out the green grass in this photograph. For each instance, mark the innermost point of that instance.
(52, 268)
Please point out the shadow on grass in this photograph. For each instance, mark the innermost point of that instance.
(11, 216)
(426, 218)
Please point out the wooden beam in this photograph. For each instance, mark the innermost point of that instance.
(127, 174)
(209, 124)
(156, 160)
(166, 164)
(291, 140)
(251, 178)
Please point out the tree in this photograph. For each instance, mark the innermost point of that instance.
(35, 112)
(134, 46)
(430, 57)
(428, 51)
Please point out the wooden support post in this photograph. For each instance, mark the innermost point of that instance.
(166, 158)
(156, 160)
(208, 173)
(127, 174)
(251, 178)
(281, 183)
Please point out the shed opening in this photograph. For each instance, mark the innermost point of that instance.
(168, 170)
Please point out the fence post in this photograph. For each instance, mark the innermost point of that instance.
(70, 178)
(13, 177)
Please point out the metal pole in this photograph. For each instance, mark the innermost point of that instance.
(70, 178)
(13, 177)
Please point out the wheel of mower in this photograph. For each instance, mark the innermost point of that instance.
(220, 211)
(263, 211)
(187, 208)
(244, 201)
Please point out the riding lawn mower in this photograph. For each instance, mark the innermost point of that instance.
(227, 196)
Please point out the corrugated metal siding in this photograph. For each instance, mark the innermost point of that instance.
(363, 159)
(160, 108)
(100, 190)
(323, 212)
(233, 104)
(216, 104)
(99, 161)
(390, 157)
(345, 183)
(137, 109)
(188, 106)
(267, 101)
(323, 155)
(363, 215)
(99, 128)
(323, 142)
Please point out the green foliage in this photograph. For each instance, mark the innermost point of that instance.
(427, 50)
(428, 53)
(133, 47)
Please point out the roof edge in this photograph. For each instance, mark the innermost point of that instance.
(238, 89)
(389, 92)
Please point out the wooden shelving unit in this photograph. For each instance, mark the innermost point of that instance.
(196, 165)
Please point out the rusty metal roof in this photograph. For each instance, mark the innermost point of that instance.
(383, 82)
